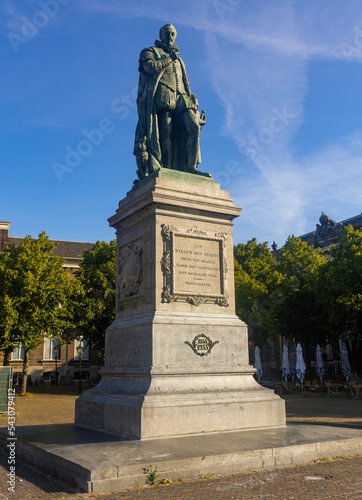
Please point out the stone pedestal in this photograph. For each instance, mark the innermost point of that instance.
(176, 358)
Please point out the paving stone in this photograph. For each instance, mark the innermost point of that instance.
(335, 479)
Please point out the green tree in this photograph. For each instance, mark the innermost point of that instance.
(257, 282)
(8, 319)
(279, 297)
(299, 313)
(303, 296)
(94, 303)
(342, 283)
(34, 296)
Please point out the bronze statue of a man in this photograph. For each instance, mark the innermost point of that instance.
(168, 128)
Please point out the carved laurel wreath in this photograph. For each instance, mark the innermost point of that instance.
(206, 345)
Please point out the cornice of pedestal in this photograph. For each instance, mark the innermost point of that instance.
(180, 192)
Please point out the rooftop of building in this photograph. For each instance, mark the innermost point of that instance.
(69, 250)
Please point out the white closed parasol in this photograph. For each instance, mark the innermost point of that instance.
(257, 364)
(346, 367)
(300, 365)
(319, 363)
(286, 371)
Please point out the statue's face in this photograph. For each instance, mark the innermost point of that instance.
(168, 35)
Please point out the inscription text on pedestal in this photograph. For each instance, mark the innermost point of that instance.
(194, 266)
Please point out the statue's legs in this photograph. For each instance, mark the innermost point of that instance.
(165, 133)
(189, 138)
(179, 139)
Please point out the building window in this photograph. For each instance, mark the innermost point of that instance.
(18, 353)
(49, 346)
(84, 344)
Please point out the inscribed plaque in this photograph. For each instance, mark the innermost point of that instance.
(196, 264)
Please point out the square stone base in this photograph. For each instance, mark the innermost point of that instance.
(181, 416)
(155, 384)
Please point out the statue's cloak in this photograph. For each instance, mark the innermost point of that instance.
(147, 147)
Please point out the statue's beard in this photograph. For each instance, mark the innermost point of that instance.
(165, 47)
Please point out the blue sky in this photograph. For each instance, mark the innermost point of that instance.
(280, 82)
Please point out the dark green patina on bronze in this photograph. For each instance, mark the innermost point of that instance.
(169, 123)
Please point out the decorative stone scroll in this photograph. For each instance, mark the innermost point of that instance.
(194, 266)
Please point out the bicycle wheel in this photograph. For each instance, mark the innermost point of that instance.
(41, 384)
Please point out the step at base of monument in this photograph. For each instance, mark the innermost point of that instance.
(97, 461)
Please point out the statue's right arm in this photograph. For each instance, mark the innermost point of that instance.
(151, 65)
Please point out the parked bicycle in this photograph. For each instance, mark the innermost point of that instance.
(39, 382)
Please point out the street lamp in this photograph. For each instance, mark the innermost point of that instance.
(80, 352)
(56, 355)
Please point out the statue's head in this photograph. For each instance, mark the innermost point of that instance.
(168, 34)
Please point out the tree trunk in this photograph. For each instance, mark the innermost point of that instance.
(7, 353)
(25, 370)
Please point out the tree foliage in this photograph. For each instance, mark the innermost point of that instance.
(303, 295)
(343, 283)
(94, 302)
(257, 282)
(34, 295)
(278, 297)
(298, 310)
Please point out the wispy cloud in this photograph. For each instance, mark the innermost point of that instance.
(259, 69)
(11, 15)
(28, 17)
(258, 54)
(291, 197)
(304, 30)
